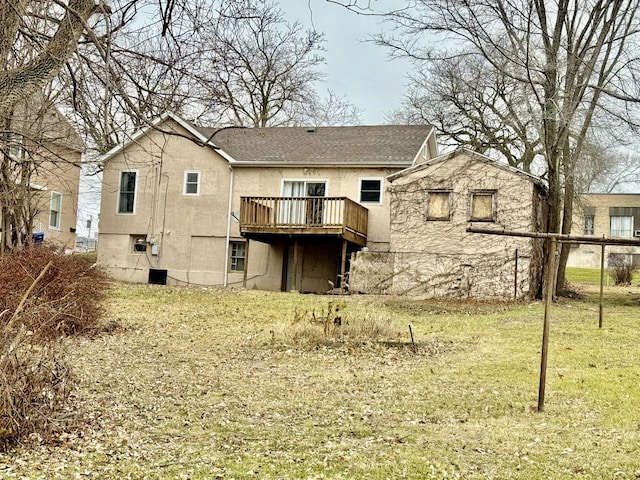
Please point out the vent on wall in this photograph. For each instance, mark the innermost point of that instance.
(636, 233)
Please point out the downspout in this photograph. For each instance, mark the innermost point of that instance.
(226, 248)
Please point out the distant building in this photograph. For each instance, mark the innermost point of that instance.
(44, 148)
(605, 215)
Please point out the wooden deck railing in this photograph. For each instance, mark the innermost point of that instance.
(302, 214)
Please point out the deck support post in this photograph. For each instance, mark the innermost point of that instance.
(295, 266)
(343, 266)
(246, 264)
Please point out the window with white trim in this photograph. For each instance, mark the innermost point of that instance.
(439, 204)
(191, 182)
(127, 191)
(621, 226)
(55, 210)
(371, 190)
(237, 256)
(16, 146)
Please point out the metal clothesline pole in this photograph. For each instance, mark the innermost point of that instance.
(553, 239)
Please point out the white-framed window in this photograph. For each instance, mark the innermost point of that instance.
(482, 206)
(138, 243)
(370, 190)
(191, 182)
(55, 210)
(16, 146)
(621, 226)
(238, 250)
(589, 224)
(439, 205)
(127, 191)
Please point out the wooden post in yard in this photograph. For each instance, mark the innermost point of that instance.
(548, 296)
(601, 286)
(246, 264)
(343, 265)
(515, 279)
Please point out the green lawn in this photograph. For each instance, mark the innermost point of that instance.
(587, 275)
(591, 276)
(206, 383)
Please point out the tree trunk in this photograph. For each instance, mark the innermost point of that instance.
(567, 219)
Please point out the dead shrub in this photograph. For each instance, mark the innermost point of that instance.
(621, 269)
(35, 383)
(44, 296)
(336, 327)
(66, 300)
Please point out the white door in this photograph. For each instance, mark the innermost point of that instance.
(295, 212)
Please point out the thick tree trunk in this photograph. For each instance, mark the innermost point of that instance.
(26, 80)
(567, 220)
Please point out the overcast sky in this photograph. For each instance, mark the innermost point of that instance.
(359, 70)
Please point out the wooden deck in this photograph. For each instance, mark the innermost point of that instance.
(267, 218)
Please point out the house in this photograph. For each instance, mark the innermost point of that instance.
(278, 208)
(615, 215)
(430, 252)
(42, 155)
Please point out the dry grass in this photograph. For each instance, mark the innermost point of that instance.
(206, 384)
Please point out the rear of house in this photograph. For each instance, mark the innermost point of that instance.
(273, 208)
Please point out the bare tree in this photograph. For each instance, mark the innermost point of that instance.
(330, 110)
(474, 106)
(268, 70)
(571, 61)
(40, 43)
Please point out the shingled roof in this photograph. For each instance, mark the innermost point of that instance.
(393, 145)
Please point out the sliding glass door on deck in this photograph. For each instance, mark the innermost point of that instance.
(305, 211)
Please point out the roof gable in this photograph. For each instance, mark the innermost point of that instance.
(395, 146)
(474, 156)
(156, 125)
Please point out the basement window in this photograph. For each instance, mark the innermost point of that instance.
(237, 256)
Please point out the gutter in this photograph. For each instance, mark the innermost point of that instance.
(228, 236)
(257, 164)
